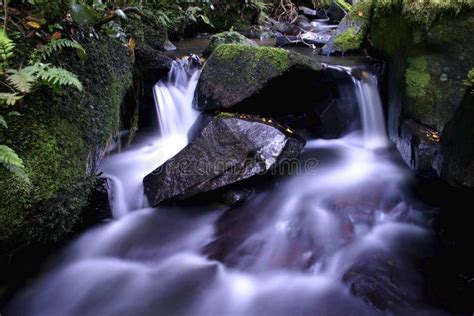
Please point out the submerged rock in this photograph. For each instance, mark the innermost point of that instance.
(229, 149)
(257, 80)
(230, 37)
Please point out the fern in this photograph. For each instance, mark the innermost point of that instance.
(10, 160)
(56, 76)
(23, 79)
(3, 123)
(7, 46)
(9, 98)
(59, 44)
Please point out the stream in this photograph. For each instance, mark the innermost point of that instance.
(342, 236)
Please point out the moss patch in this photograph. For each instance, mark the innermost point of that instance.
(470, 80)
(235, 72)
(351, 39)
(58, 137)
(230, 37)
(417, 78)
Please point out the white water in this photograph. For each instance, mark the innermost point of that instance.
(173, 100)
(293, 250)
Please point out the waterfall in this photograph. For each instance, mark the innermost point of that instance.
(371, 112)
(174, 96)
(173, 102)
(334, 240)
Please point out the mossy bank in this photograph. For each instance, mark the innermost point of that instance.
(61, 138)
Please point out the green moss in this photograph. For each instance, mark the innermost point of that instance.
(277, 57)
(57, 136)
(417, 78)
(343, 4)
(469, 82)
(351, 39)
(262, 62)
(229, 37)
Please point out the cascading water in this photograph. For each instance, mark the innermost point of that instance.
(173, 100)
(336, 240)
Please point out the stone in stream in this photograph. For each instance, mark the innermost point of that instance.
(230, 37)
(260, 80)
(229, 149)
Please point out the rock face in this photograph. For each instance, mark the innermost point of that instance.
(456, 158)
(259, 80)
(429, 63)
(230, 37)
(229, 149)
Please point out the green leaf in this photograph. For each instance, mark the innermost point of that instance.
(22, 80)
(9, 98)
(10, 160)
(83, 14)
(3, 123)
(7, 46)
(206, 20)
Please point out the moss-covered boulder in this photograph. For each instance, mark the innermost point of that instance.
(430, 52)
(351, 31)
(230, 37)
(259, 80)
(148, 30)
(61, 138)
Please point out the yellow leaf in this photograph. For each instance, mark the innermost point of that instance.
(33, 24)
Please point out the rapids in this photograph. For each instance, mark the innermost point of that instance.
(341, 237)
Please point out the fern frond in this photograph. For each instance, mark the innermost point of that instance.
(10, 160)
(57, 76)
(23, 79)
(6, 46)
(9, 98)
(3, 123)
(59, 44)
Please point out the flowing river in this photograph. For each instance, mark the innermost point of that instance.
(339, 237)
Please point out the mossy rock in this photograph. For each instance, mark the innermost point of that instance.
(149, 31)
(61, 139)
(230, 37)
(235, 73)
(351, 31)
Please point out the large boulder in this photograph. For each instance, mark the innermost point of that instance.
(229, 149)
(260, 80)
(230, 37)
(429, 56)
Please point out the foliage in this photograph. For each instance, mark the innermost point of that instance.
(10, 160)
(470, 80)
(58, 44)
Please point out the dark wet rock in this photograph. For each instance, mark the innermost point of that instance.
(384, 282)
(152, 64)
(348, 36)
(303, 22)
(98, 208)
(336, 12)
(308, 12)
(455, 162)
(418, 146)
(229, 149)
(286, 28)
(230, 37)
(259, 80)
